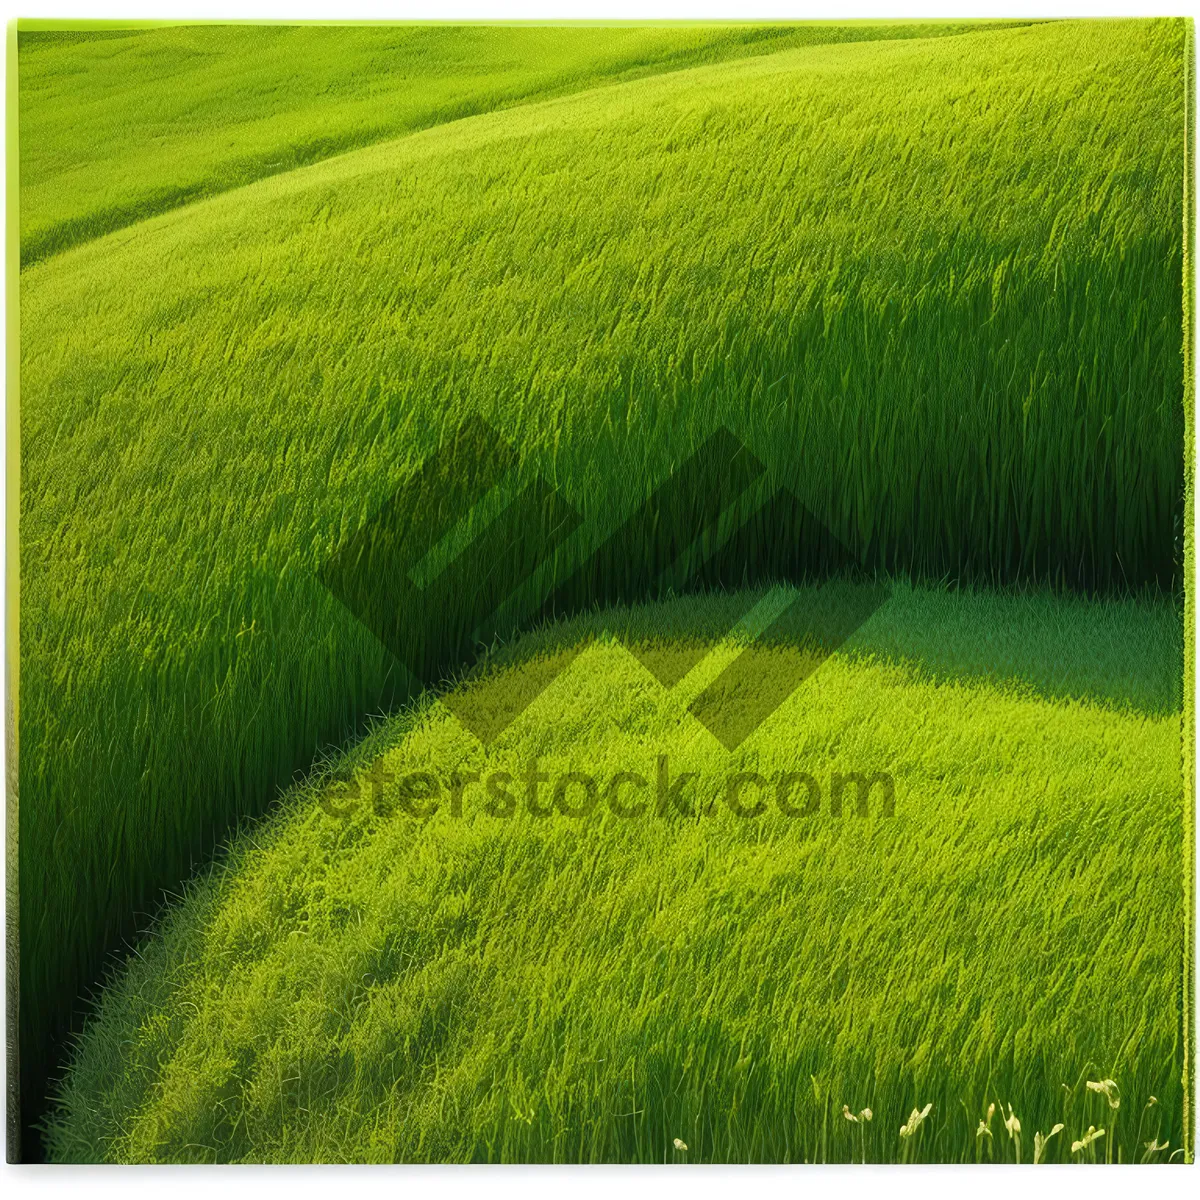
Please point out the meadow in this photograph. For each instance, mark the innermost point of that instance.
(933, 284)
(527, 970)
(120, 124)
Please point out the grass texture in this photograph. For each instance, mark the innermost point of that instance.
(933, 285)
(533, 985)
(117, 125)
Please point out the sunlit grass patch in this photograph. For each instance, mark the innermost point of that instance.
(489, 969)
(120, 125)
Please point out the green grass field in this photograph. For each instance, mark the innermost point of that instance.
(119, 125)
(933, 283)
(526, 980)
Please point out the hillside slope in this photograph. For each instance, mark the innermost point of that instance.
(535, 967)
(118, 124)
(934, 286)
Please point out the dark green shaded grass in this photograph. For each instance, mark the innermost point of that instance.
(374, 986)
(933, 286)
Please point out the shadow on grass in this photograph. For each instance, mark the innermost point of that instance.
(1126, 654)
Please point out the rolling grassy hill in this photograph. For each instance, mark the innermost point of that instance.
(119, 124)
(933, 285)
(550, 974)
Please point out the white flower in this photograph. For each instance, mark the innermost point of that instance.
(1011, 1123)
(914, 1120)
(1039, 1142)
(1108, 1089)
(681, 1146)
